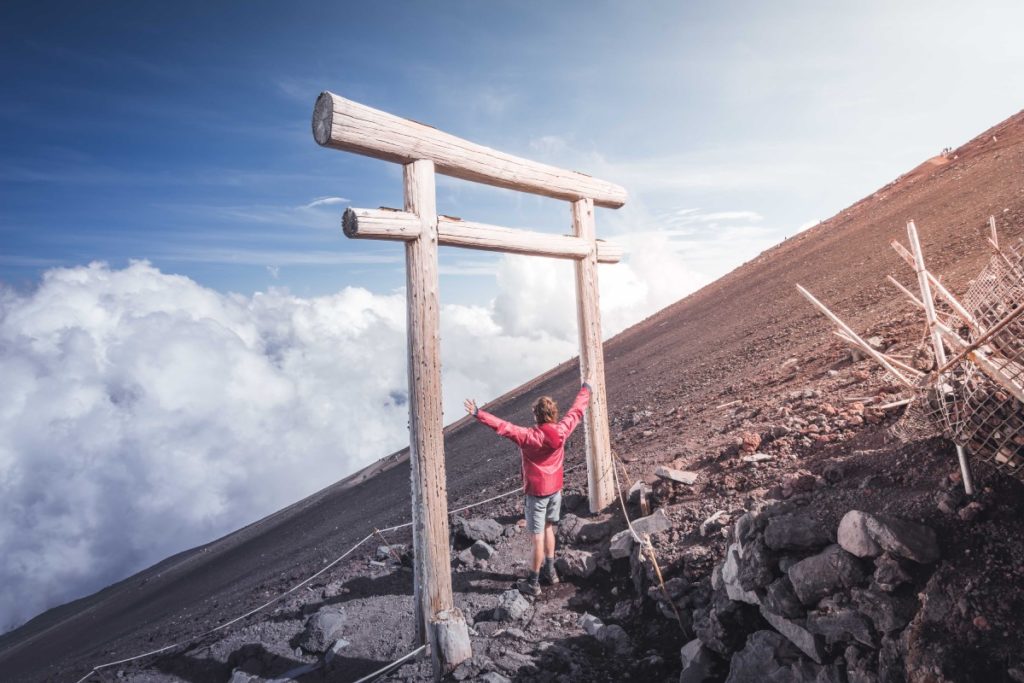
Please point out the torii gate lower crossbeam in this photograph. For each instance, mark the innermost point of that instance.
(347, 125)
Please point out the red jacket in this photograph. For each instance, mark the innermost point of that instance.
(541, 446)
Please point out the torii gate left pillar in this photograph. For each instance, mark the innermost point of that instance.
(347, 125)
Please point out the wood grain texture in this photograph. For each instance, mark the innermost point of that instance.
(600, 481)
(388, 224)
(432, 567)
(343, 124)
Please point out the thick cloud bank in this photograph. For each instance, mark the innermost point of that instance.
(143, 414)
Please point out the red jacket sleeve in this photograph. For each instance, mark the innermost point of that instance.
(503, 427)
(572, 418)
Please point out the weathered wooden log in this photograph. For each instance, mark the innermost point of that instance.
(433, 579)
(343, 124)
(389, 224)
(451, 636)
(600, 480)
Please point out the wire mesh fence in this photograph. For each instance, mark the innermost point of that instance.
(976, 400)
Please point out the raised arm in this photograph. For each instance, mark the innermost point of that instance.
(573, 416)
(503, 427)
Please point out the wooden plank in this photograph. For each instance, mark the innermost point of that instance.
(879, 358)
(389, 224)
(600, 480)
(926, 295)
(431, 563)
(946, 295)
(343, 124)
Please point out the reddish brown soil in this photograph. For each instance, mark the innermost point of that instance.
(728, 342)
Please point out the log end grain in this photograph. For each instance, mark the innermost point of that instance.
(323, 117)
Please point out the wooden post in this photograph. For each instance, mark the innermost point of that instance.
(433, 580)
(940, 351)
(600, 484)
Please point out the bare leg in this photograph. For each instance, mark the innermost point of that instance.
(538, 551)
(549, 540)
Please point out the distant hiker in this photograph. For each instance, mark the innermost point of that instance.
(543, 455)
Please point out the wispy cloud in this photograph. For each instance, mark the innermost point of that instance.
(326, 201)
(276, 258)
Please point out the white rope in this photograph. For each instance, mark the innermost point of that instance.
(233, 621)
(392, 665)
(295, 588)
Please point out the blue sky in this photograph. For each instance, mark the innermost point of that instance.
(179, 132)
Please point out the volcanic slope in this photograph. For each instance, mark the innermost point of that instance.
(747, 337)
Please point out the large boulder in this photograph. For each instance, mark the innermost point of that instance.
(621, 544)
(795, 532)
(819, 575)
(478, 529)
(322, 629)
(678, 476)
(725, 623)
(866, 535)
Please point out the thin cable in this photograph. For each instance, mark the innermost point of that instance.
(383, 670)
(233, 621)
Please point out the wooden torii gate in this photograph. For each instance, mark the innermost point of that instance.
(424, 151)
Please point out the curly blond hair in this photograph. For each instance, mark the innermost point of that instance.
(545, 410)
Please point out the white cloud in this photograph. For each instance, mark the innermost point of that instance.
(326, 201)
(144, 414)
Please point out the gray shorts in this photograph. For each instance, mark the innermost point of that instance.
(540, 510)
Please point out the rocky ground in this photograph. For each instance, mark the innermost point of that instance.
(756, 433)
(810, 541)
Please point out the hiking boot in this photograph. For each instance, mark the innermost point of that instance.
(530, 587)
(548, 575)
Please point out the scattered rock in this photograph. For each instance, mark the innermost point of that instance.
(757, 457)
(731, 579)
(680, 476)
(590, 624)
(750, 442)
(714, 523)
(866, 535)
(766, 657)
(615, 639)
(621, 544)
(482, 550)
(819, 575)
(971, 511)
(795, 532)
(512, 606)
(390, 552)
(889, 573)
(322, 629)
(478, 529)
(577, 563)
(781, 599)
(887, 613)
(809, 643)
(949, 501)
(724, 625)
(841, 626)
(652, 524)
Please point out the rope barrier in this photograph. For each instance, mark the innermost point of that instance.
(297, 586)
(393, 665)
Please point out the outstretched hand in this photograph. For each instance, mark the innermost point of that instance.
(470, 406)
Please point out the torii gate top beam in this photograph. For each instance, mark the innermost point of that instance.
(343, 124)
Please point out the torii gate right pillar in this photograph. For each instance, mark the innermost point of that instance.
(600, 478)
